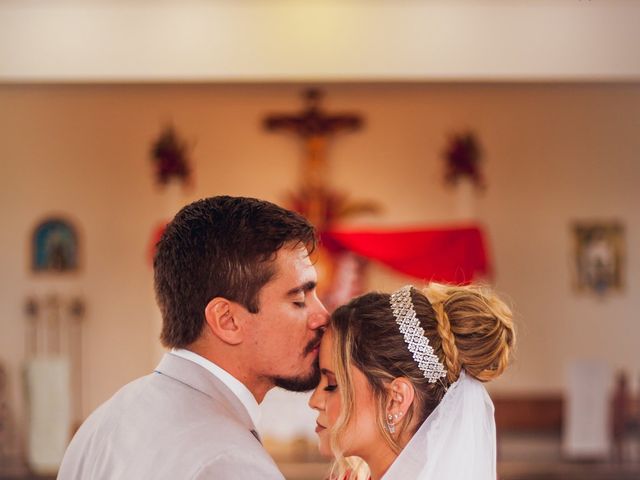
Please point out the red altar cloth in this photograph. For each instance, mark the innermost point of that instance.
(451, 255)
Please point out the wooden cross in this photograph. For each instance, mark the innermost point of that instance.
(315, 128)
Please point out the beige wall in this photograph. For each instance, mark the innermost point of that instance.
(554, 154)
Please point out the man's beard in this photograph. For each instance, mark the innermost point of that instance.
(307, 382)
(302, 383)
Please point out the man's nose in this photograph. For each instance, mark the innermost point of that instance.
(320, 317)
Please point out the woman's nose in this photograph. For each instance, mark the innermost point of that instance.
(315, 401)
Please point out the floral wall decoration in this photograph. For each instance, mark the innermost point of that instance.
(170, 156)
(463, 156)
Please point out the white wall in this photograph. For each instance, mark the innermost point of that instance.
(554, 154)
(213, 40)
(72, 153)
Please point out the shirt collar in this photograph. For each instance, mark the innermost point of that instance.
(236, 386)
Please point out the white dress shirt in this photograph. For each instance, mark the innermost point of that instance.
(236, 386)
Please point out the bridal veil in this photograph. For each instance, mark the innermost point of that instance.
(456, 442)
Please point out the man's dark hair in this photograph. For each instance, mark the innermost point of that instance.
(219, 247)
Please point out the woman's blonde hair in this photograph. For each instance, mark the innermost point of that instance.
(469, 328)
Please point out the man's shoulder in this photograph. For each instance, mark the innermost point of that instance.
(155, 407)
(156, 395)
(188, 429)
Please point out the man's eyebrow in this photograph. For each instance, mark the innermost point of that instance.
(304, 288)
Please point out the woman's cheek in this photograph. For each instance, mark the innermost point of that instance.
(333, 408)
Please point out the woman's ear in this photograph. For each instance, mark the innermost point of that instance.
(224, 320)
(401, 395)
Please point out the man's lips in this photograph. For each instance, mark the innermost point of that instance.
(313, 346)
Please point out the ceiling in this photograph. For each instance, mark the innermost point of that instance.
(329, 40)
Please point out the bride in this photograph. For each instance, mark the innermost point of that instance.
(402, 395)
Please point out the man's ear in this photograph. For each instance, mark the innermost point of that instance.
(401, 395)
(224, 320)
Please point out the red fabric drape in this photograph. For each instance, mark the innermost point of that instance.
(451, 255)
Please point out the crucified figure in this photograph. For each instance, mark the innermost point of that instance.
(315, 128)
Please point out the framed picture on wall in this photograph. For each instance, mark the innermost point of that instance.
(599, 256)
(54, 246)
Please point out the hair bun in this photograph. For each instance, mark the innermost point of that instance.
(476, 329)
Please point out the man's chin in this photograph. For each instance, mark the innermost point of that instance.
(300, 383)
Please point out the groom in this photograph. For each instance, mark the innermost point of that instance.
(236, 288)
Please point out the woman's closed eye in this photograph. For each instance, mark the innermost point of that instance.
(330, 388)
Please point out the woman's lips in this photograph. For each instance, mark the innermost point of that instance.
(319, 428)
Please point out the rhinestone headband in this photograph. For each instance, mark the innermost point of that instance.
(416, 340)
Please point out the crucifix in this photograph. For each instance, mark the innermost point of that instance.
(315, 128)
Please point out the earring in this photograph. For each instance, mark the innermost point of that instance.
(390, 426)
(391, 419)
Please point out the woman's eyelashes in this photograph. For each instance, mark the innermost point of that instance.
(332, 385)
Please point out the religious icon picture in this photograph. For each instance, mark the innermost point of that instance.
(54, 247)
(599, 256)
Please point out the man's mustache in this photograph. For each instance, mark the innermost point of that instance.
(314, 343)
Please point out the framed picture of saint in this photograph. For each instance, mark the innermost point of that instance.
(54, 247)
(599, 256)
